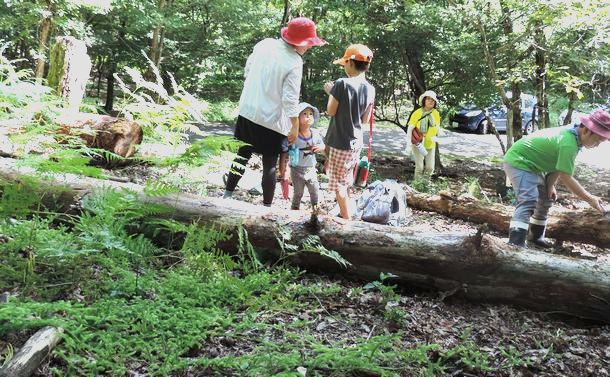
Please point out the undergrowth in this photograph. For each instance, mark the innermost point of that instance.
(138, 293)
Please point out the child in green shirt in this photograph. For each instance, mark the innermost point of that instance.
(534, 164)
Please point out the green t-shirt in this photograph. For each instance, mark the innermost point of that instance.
(546, 151)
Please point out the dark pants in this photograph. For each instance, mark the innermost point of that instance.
(269, 172)
(261, 140)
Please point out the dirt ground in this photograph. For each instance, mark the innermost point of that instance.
(552, 346)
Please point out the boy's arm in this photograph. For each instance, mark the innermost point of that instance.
(332, 106)
(572, 184)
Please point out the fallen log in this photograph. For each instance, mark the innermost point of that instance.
(28, 358)
(585, 226)
(117, 135)
(475, 266)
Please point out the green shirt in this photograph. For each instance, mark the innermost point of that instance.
(546, 151)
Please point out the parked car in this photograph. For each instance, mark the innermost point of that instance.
(470, 118)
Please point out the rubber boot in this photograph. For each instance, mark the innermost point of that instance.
(536, 236)
(516, 236)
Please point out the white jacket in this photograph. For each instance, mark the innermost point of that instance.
(273, 82)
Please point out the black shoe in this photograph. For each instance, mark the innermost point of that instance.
(516, 236)
(536, 236)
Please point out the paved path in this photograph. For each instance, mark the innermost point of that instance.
(392, 140)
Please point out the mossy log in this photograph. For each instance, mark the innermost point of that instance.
(584, 226)
(34, 351)
(474, 266)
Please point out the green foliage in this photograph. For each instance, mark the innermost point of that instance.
(429, 186)
(311, 244)
(388, 292)
(64, 161)
(163, 116)
(222, 112)
(472, 187)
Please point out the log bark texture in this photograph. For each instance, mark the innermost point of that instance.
(117, 135)
(584, 226)
(475, 266)
(28, 358)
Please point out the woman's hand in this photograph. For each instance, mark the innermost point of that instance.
(328, 86)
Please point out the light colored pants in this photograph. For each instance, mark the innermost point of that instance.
(532, 197)
(304, 176)
(429, 161)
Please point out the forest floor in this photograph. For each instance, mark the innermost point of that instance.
(454, 337)
(543, 344)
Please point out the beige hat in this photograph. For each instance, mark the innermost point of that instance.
(427, 93)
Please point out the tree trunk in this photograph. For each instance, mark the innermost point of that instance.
(418, 79)
(286, 15)
(541, 82)
(477, 267)
(33, 352)
(43, 37)
(69, 68)
(110, 86)
(517, 118)
(571, 99)
(156, 44)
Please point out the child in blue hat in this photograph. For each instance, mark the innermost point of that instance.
(309, 142)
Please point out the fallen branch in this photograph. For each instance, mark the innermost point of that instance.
(34, 351)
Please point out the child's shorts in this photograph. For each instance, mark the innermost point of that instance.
(340, 169)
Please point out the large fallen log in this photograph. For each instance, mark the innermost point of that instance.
(585, 226)
(475, 266)
(28, 358)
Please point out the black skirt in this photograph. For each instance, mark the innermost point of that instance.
(262, 139)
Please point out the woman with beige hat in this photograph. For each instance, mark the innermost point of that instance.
(427, 121)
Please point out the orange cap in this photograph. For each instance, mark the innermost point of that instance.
(356, 52)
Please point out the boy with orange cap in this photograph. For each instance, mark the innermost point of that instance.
(269, 103)
(350, 104)
(535, 163)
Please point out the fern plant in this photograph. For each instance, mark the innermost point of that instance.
(163, 116)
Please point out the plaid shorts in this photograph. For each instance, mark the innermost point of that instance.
(340, 168)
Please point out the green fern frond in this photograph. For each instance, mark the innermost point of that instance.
(64, 161)
(202, 151)
(313, 244)
(156, 188)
